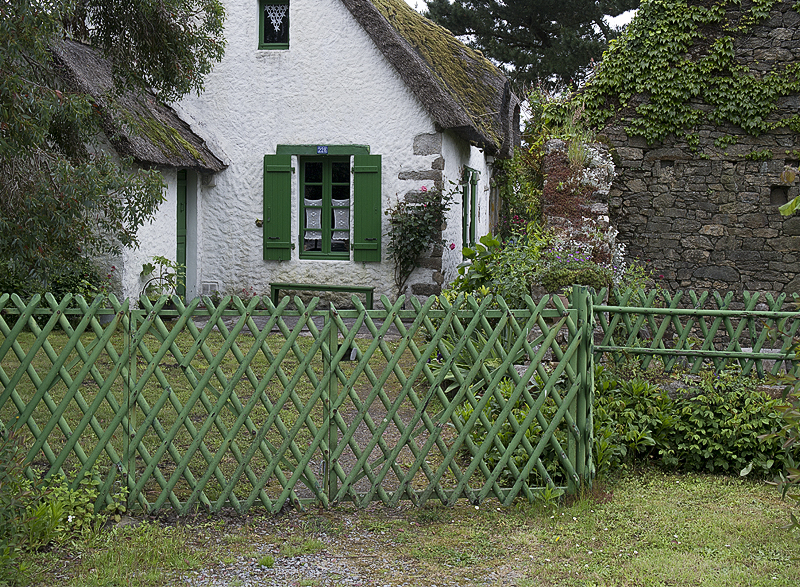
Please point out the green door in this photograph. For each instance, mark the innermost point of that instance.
(181, 256)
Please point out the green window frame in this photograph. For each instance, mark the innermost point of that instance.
(365, 219)
(324, 205)
(469, 206)
(270, 13)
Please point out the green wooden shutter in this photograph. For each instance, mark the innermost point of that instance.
(181, 233)
(367, 208)
(465, 210)
(473, 208)
(277, 207)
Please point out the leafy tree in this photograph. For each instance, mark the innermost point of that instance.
(61, 196)
(534, 39)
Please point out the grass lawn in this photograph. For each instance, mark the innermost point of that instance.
(642, 529)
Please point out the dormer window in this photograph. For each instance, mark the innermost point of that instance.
(273, 24)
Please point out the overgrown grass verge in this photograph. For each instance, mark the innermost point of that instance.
(647, 528)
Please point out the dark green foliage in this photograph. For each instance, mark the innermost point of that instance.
(519, 181)
(414, 227)
(714, 425)
(167, 46)
(506, 434)
(557, 277)
(719, 424)
(75, 276)
(678, 53)
(16, 496)
(789, 434)
(60, 197)
(535, 40)
(502, 270)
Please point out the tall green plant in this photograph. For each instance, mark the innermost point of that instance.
(789, 434)
(414, 227)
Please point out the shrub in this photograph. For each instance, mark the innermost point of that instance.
(554, 261)
(713, 425)
(719, 424)
(80, 276)
(520, 411)
(789, 435)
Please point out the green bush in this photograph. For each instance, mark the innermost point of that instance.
(556, 278)
(720, 423)
(505, 269)
(79, 277)
(714, 425)
(548, 259)
(506, 433)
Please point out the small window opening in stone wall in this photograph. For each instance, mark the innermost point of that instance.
(667, 163)
(778, 195)
(792, 163)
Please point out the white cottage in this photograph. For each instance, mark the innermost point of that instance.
(323, 114)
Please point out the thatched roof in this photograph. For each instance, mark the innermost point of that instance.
(137, 125)
(461, 89)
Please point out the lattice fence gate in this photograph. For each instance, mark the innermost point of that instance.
(243, 403)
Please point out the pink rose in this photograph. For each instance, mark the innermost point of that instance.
(423, 189)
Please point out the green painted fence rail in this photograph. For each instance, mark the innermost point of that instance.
(752, 331)
(245, 403)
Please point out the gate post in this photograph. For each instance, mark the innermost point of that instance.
(583, 416)
(330, 479)
(129, 400)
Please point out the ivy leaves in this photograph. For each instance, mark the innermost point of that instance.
(675, 55)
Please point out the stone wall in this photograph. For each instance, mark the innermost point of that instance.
(708, 217)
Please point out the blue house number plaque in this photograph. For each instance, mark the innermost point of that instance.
(322, 150)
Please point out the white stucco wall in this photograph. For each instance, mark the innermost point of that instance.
(332, 87)
(458, 155)
(156, 238)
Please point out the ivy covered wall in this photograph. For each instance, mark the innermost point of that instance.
(701, 102)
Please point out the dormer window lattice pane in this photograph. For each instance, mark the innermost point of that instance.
(276, 14)
(274, 24)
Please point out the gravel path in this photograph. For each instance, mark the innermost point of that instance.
(370, 562)
(376, 547)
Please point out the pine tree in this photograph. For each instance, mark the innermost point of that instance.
(535, 40)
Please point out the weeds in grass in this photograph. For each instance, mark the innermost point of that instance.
(299, 546)
(143, 555)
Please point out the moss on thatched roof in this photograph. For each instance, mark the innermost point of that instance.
(460, 88)
(137, 126)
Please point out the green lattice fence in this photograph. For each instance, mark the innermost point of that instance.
(244, 403)
(691, 329)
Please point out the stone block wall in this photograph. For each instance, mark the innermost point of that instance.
(708, 223)
(708, 217)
